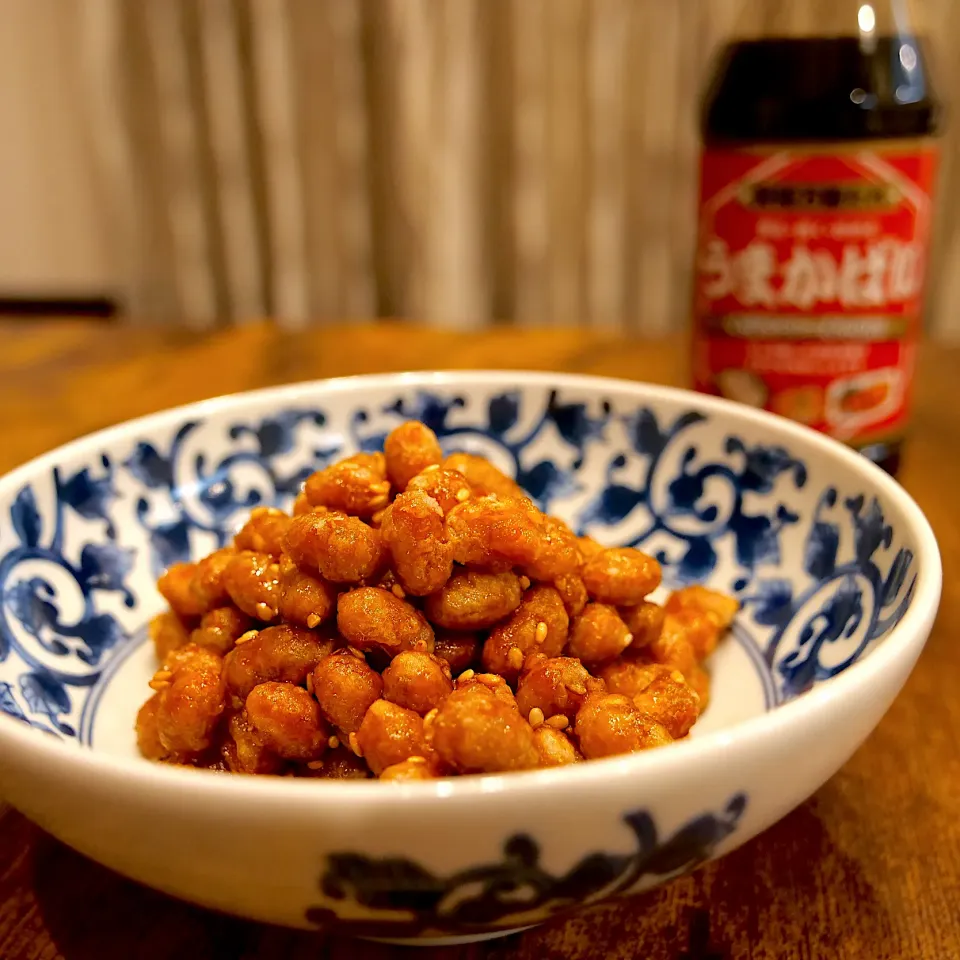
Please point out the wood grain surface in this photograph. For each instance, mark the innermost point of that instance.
(868, 868)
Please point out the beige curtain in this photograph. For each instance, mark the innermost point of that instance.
(461, 161)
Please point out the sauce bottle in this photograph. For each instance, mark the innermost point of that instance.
(816, 195)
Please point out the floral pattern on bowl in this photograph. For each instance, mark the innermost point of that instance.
(66, 562)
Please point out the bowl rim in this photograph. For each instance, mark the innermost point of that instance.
(902, 645)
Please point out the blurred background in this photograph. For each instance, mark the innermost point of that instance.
(467, 162)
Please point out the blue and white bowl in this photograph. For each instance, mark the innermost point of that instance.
(837, 570)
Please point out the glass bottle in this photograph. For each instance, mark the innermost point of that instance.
(817, 189)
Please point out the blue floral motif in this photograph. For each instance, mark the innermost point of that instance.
(406, 899)
(845, 600)
(150, 467)
(543, 479)
(684, 513)
(709, 504)
(90, 496)
(26, 518)
(59, 654)
(210, 497)
(43, 694)
(8, 703)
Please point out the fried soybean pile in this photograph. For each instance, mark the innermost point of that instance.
(419, 617)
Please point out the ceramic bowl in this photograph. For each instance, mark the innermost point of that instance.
(836, 568)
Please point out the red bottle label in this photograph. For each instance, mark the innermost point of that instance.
(809, 285)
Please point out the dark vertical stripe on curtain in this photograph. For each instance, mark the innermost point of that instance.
(566, 147)
(690, 74)
(254, 143)
(150, 241)
(210, 195)
(314, 70)
(389, 236)
(498, 52)
(636, 227)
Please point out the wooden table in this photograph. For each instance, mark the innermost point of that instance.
(868, 868)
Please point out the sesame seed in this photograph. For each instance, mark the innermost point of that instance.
(515, 658)
(416, 759)
(315, 765)
(558, 721)
(628, 640)
(265, 611)
(163, 675)
(355, 744)
(577, 688)
(535, 717)
(355, 652)
(431, 468)
(462, 494)
(524, 583)
(158, 685)
(312, 620)
(310, 684)
(466, 675)
(378, 516)
(333, 743)
(541, 634)
(245, 637)
(398, 591)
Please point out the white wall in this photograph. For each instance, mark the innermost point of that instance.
(51, 237)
